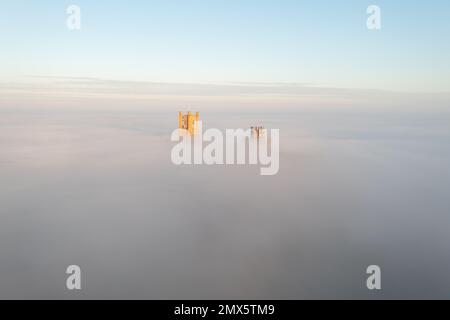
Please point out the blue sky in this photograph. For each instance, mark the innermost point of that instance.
(322, 43)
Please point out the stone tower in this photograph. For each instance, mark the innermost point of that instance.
(188, 122)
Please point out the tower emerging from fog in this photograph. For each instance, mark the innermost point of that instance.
(189, 122)
(258, 132)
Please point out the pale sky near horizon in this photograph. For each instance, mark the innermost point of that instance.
(320, 43)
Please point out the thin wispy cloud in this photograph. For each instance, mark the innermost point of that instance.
(231, 94)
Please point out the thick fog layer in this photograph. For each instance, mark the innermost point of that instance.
(98, 189)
